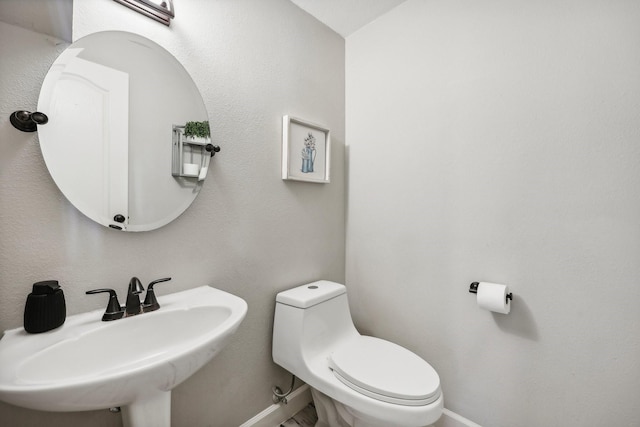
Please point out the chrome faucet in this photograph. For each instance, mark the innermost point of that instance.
(133, 306)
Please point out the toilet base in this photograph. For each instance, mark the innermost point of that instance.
(334, 414)
(330, 413)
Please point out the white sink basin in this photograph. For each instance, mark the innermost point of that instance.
(133, 362)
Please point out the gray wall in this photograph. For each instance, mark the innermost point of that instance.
(248, 232)
(487, 141)
(498, 141)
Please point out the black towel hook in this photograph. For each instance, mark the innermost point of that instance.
(26, 121)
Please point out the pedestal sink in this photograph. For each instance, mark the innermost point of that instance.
(132, 363)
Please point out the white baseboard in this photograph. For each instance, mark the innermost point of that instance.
(451, 419)
(278, 413)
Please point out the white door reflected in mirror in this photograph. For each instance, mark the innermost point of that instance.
(112, 99)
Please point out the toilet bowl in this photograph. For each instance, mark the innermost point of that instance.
(355, 380)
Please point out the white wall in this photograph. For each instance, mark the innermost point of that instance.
(498, 141)
(248, 232)
(50, 17)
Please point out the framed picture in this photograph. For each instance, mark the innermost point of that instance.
(306, 150)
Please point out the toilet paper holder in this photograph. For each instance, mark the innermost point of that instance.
(473, 288)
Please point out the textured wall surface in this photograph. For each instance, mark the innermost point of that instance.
(50, 17)
(498, 141)
(248, 232)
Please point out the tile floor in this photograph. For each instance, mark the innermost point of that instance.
(307, 417)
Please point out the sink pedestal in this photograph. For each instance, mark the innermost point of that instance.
(152, 410)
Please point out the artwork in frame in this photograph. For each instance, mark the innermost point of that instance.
(306, 151)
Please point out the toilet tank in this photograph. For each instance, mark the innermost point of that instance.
(310, 320)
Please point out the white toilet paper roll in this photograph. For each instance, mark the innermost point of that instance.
(493, 297)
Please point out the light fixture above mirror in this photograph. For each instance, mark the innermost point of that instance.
(158, 10)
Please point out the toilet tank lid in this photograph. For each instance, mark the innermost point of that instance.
(308, 295)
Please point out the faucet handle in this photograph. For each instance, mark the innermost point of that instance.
(166, 279)
(114, 310)
(150, 301)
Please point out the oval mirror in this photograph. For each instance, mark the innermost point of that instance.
(115, 145)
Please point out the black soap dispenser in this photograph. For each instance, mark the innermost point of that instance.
(45, 308)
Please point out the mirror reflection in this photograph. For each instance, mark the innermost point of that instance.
(117, 105)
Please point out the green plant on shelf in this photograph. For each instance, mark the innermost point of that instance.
(197, 129)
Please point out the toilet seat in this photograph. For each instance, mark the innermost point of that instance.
(385, 371)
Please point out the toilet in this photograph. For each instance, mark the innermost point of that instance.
(355, 380)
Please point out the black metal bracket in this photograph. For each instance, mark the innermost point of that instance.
(473, 288)
(26, 121)
(213, 149)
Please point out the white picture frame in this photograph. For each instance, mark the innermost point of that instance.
(306, 151)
